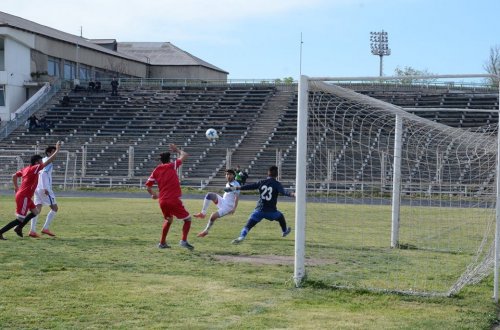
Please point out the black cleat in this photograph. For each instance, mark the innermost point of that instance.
(19, 231)
(186, 245)
(163, 246)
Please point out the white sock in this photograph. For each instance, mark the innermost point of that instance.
(50, 216)
(206, 203)
(33, 224)
(209, 225)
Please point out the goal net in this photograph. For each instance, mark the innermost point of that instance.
(395, 202)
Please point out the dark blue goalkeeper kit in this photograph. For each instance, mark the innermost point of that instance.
(269, 189)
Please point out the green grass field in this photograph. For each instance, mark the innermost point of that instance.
(353, 244)
(104, 271)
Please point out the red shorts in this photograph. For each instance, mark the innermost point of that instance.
(23, 205)
(173, 207)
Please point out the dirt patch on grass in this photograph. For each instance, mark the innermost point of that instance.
(270, 260)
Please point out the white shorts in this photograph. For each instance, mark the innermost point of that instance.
(41, 198)
(222, 206)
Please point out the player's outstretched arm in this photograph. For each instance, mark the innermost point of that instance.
(182, 154)
(248, 186)
(53, 156)
(283, 191)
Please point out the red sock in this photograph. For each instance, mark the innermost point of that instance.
(164, 231)
(185, 230)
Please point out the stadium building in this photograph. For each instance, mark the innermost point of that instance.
(32, 54)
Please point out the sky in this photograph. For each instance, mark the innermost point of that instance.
(269, 39)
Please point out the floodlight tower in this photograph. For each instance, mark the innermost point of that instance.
(379, 43)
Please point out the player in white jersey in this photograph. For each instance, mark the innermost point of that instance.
(44, 195)
(225, 205)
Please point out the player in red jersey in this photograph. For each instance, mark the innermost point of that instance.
(24, 194)
(169, 195)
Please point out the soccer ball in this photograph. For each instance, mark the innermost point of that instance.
(211, 134)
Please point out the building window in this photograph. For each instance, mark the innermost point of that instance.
(2, 96)
(102, 74)
(69, 70)
(53, 66)
(85, 72)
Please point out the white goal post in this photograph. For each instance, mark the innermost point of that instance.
(409, 205)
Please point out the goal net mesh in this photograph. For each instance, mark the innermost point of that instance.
(447, 201)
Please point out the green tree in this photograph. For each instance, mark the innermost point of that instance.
(286, 81)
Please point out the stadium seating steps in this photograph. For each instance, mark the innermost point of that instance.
(256, 125)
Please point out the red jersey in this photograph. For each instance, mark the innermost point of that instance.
(165, 176)
(29, 176)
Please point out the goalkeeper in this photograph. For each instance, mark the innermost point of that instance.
(269, 189)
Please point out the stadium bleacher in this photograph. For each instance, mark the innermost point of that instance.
(148, 120)
(256, 124)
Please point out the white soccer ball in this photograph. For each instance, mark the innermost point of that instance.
(211, 134)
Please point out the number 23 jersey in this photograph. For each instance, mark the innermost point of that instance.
(269, 189)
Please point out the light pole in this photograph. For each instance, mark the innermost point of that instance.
(148, 72)
(77, 56)
(379, 43)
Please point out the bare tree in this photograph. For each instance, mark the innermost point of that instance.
(492, 65)
(408, 73)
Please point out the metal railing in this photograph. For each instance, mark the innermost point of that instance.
(183, 83)
(29, 108)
